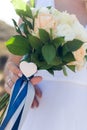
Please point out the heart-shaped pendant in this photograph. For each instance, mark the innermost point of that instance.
(28, 69)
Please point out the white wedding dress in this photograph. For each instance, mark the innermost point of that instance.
(63, 105)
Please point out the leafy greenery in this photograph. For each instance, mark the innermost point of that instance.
(3, 104)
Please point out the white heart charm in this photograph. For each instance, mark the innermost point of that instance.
(28, 69)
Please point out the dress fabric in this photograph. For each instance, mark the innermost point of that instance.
(63, 105)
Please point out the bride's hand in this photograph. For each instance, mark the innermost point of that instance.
(12, 73)
(35, 80)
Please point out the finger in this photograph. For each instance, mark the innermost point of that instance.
(35, 80)
(9, 82)
(13, 77)
(7, 88)
(38, 91)
(14, 68)
(35, 103)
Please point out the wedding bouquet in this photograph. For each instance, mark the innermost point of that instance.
(51, 39)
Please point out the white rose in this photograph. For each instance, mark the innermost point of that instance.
(66, 31)
(44, 10)
(54, 11)
(64, 17)
(80, 31)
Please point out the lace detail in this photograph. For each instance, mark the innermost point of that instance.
(44, 3)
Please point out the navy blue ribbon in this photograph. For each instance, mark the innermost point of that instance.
(17, 97)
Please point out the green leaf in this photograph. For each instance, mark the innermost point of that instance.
(22, 8)
(32, 2)
(49, 52)
(18, 45)
(86, 57)
(58, 41)
(16, 27)
(44, 35)
(71, 46)
(29, 24)
(59, 67)
(35, 16)
(35, 42)
(51, 71)
(28, 11)
(51, 34)
(40, 64)
(56, 61)
(64, 70)
(45, 66)
(34, 58)
(21, 13)
(19, 5)
(69, 57)
(26, 57)
(22, 26)
(24, 29)
(71, 67)
(3, 113)
(49, 7)
(59, 51)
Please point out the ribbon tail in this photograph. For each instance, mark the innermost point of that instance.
(19, 83)
(28, 102)
(25, 105)
(14, 117)
(15, 127)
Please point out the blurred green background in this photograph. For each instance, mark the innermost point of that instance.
(6, 31)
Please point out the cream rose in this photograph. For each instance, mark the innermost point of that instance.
(45, 21)
(79, 56)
